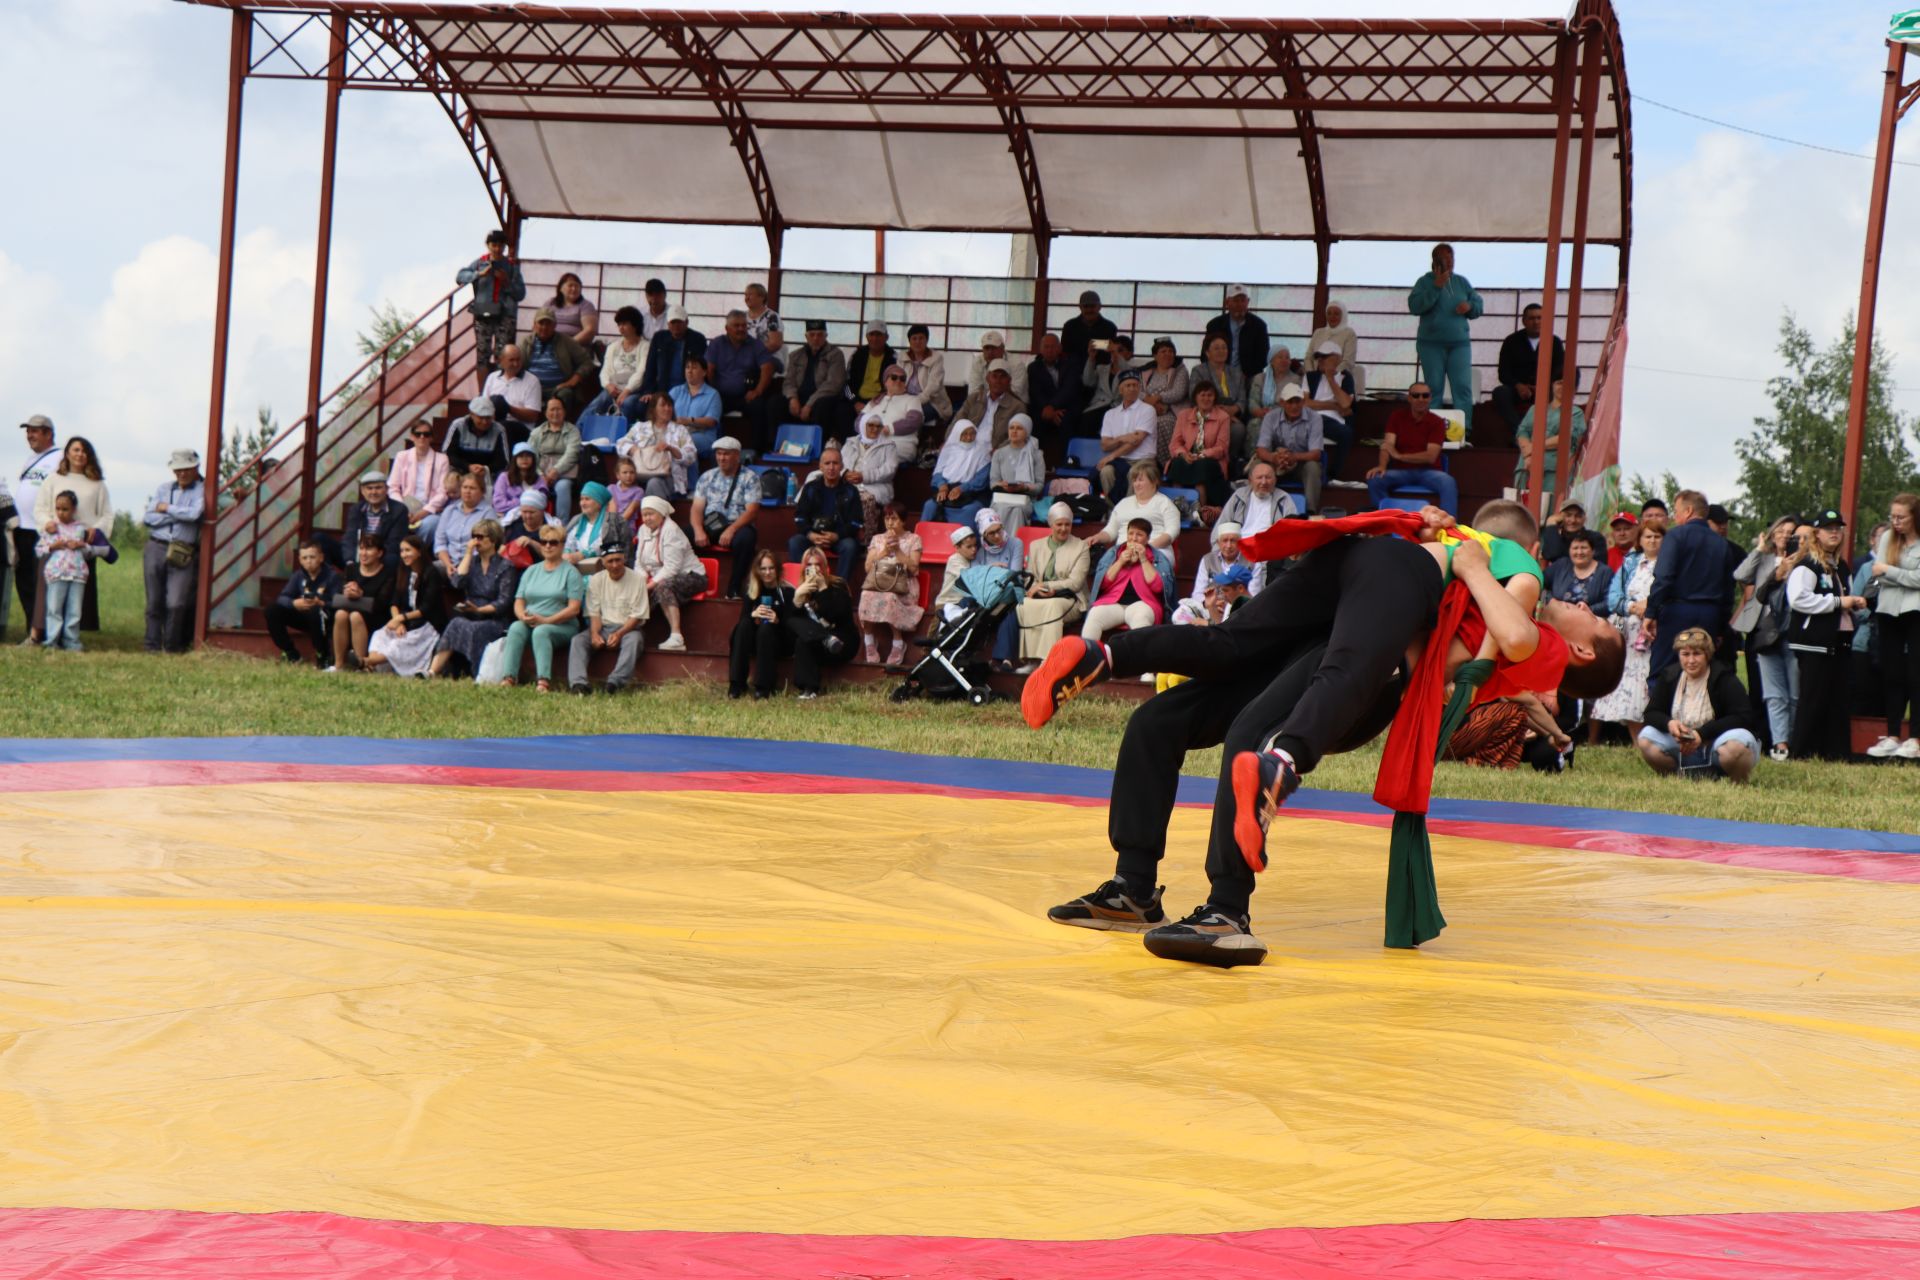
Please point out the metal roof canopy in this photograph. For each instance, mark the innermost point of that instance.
(1295, 128)
(1285, 128)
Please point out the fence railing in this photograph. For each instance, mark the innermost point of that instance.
(959, 309)
(361, 421)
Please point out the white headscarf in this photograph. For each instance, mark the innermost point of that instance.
(958, 461)
(1026, 465)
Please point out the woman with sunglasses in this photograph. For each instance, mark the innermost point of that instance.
(418, 478)
(901, 412)
(546, 609)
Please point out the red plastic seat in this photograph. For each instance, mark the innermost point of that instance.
(712, 567)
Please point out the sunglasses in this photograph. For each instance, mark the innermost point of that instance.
(423, 435)
(1419, 395)
(896, 377)
(553, 542)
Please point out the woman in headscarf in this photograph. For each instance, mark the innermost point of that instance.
(1263, 392)
(1163, 385)
(597, 527)
(871, 459)
(998, 549)
(900, 410)
(1019, 473)
(1336, 329)
(674, 574)
(962, 475)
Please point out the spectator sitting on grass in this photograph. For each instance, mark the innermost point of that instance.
(417, 611)
(1699, 715)
(616, 609)
(366, 595)
(674, 574)
(486, 580)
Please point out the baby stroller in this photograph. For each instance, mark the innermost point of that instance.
(953, 667)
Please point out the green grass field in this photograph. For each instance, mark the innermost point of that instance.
(114, 690)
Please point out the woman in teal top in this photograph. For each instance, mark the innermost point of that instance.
(1523, 436)
(1446, 304)
(546, 609)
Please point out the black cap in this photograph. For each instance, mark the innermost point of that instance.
(655, 285)
(816, 326)
(1717, 514)
(1829, 519)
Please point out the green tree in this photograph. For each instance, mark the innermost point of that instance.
(239, 448)
(1640, 490)
(1794, 458)
(389, 326)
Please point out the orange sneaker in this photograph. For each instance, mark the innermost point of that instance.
(1072, 667)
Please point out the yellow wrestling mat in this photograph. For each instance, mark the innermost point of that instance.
(845, 1013)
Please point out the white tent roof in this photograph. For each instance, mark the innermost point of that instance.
(1282, 128)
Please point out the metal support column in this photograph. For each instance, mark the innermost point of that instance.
(1549, 293)
(879, 251)
(1583, 182)
(1042, 285)
(222, 314)
(776, 243)
(322, 260)
(1323, 255)
(1892, 107)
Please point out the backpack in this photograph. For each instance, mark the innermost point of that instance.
(1089, 508)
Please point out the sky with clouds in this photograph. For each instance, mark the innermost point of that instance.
(118, 117)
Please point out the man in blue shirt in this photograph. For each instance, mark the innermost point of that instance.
(171, 562)
(742, 375)
(563, 366)
(1690, 583)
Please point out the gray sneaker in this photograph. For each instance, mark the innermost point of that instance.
(1208, 936)
(1110, 907)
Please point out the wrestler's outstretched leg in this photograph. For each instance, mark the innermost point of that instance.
(1296, 605)
(1146, 780)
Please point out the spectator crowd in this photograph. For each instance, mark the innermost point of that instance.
(544, 517)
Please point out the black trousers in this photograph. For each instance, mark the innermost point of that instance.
(26, 570)
(756, 650)
(1820, 726)
(1239, 713)
(1899, 635)
(1370, 598)
(810, 655)
(283, 620)
(746, 540)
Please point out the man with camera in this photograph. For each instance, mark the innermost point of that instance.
(829, 514)
(498, 290)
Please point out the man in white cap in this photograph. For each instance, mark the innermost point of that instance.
(376, 513)
(1221, 556)
(477, 443)
(171, 562)
(993, 346)
(992, 407)
(1293, 441)
(1330, 394)
(1246, 333)
(667, 355)
(25, 477)
(725, 502)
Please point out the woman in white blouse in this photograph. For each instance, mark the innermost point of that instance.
(674, 573)
(78, 474)
(623, 367)
(927, 376)
(662, 451)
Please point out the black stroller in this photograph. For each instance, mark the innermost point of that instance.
(953, 666)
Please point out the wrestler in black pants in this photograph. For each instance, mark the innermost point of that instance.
(1203, 713)
(1369, 598)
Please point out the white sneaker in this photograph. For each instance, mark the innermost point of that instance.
(1884, 748)
(1909, 750)
(675, 642)
(1779, 753)
(1147, 678)
(1026, 668)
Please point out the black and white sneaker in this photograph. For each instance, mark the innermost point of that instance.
(1208, 936)
(1111, 907)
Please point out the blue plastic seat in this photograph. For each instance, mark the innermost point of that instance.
(1190, 495)
(804, 434)
(1083, 454)
(1395, 502)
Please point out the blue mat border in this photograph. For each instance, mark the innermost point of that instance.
(667, 753)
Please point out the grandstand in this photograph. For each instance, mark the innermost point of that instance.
(1302, 129)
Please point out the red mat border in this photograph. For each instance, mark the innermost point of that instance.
(24, 779)
(172, 1245)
